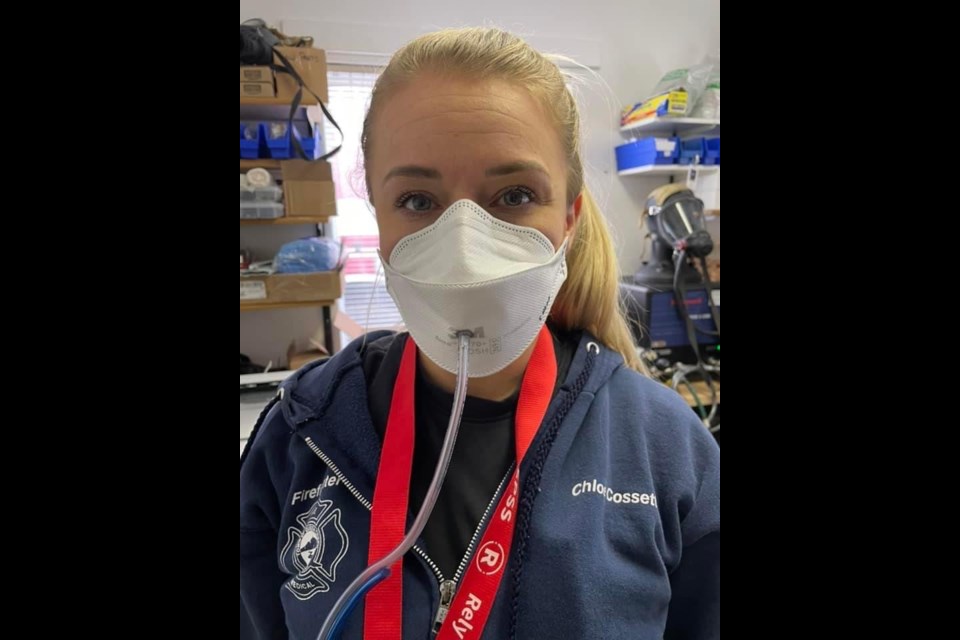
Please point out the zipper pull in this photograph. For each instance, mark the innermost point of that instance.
(448, 591)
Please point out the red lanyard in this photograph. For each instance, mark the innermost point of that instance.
(471, 607)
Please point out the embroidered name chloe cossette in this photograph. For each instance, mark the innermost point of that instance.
(588, 487)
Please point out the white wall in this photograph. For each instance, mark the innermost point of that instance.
(631, 42)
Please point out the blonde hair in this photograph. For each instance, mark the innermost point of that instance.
(590, 298)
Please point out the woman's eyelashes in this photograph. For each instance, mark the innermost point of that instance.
(512, 198)
(416, 202)
(516, 197)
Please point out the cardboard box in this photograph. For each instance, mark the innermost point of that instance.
(324, 286)
(310, 198)
(256, 74)
(296, 360)
(308, 188)
(311, 64)
(257, 90)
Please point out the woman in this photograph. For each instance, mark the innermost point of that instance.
(583, 499)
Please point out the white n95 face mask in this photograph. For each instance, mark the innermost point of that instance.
(470, 271)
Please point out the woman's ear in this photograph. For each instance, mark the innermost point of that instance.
(573, 215)
(573, 218)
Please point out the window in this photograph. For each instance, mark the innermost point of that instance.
(365, 298)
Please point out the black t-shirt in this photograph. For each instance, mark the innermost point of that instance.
(485, 448)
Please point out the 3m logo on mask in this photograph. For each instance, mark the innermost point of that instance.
(314, 551)
(480, 345)
(478, 334)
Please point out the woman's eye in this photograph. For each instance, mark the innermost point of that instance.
(515, 198)
(416, 202)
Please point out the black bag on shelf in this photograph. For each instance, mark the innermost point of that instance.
(256, 44)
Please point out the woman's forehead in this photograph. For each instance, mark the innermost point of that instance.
(440, 119)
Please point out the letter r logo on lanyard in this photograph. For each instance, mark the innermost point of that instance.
(383, 615)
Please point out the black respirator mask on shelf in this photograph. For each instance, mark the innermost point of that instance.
(678, 215)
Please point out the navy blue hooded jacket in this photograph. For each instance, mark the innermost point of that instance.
(618, 530)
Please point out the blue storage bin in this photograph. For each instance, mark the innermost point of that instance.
(647, 152)
(262, 143)
(312, 145)
(278, 146)
(713, 152)
(281, 148)
(251, 135)
(693, 151)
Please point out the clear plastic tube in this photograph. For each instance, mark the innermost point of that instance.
(380, 571)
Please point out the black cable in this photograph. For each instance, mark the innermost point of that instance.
(678, 288)
(287, 67)
(709, 287)
(696, 398)
(681, 296)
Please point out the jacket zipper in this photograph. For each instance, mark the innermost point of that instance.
(447, 588)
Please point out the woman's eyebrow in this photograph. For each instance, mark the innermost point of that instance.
(516, 167)
(412, 171)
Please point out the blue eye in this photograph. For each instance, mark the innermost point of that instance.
(516, 197)
(416, 202)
